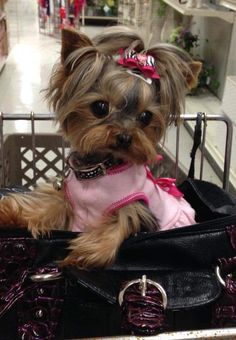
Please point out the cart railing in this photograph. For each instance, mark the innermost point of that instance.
(28, 158)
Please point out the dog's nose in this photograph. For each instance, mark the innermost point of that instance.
(123, 140)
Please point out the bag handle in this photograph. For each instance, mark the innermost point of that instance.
(197, 137)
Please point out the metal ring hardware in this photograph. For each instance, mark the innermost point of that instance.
(143, 287)
(219, 277)
(45, 277)
(58, 183)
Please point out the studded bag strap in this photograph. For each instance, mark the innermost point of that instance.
(37, 293)
(39, 309)
(16, 258)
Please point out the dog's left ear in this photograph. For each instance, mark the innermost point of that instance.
(72, 40)
(192, 77)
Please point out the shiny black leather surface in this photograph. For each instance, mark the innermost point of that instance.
(185, 289)
(208, 200)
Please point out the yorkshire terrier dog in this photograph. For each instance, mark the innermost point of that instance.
(113, 98)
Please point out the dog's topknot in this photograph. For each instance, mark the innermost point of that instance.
(84, 61)
(116, 37)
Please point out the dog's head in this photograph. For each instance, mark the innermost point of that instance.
(113, 96)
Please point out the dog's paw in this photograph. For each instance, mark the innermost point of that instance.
(87, 252)
(75, 259)
(38, 229)
(87, 260)
(10, 214)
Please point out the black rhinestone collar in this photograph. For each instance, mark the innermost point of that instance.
(94, 171)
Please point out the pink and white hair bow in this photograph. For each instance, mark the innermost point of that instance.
(145, 63)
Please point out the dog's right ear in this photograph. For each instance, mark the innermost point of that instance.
(72, 40)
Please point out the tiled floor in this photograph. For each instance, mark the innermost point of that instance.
(30, 61)
(29, 65)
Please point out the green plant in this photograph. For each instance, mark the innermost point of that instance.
(109, 7)
(161, 10)
(186, 40)
(207, 77)
(110, 3)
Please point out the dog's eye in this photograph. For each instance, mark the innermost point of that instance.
(100, 109)
(145, 118)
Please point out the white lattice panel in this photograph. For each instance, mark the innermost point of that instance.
(27, 164)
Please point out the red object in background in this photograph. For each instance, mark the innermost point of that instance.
(45, 4)
(75, 7)
(78, 5)
(42, 3)
(62, 12)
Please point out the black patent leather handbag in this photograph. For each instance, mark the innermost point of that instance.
(174, 280)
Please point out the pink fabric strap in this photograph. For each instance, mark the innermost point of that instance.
(166, 184)
(91, 199)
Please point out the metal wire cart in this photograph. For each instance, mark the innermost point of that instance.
(26, 158)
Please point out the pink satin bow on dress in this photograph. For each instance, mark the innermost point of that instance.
(145, 63)
(166, 184)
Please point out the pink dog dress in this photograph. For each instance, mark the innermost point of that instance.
(122, 185)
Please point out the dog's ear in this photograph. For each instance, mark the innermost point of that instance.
(72, 40)
(192, 78)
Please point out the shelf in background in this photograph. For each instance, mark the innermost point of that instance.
(88, 16)
(97, 17)
(228, 4)
(205, 11)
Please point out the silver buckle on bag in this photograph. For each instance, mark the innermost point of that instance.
(143, 288)
(219, 276)
(45, 277)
